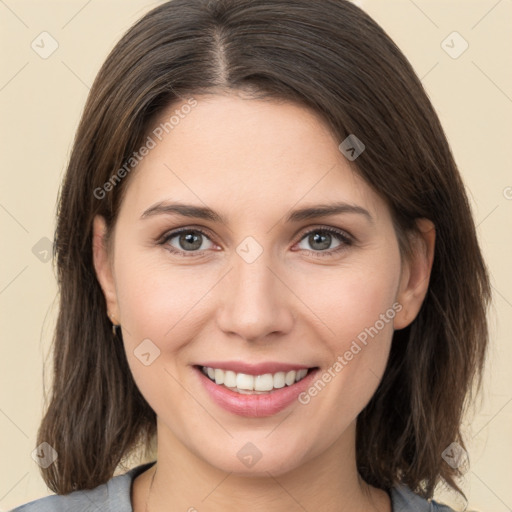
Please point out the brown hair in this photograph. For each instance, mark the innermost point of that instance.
(329, 56)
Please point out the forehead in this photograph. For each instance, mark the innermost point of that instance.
(248, 154)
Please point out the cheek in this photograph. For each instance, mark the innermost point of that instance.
(356, 306)
(349, 301)
(156, 304)
(155, 297)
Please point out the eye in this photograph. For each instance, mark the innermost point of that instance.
(321, 241)
(193, 241)
(187, 241)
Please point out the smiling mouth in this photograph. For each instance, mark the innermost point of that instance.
(254, 384)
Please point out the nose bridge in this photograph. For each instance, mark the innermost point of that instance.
(254, 301)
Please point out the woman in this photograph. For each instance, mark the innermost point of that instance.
(268, 266)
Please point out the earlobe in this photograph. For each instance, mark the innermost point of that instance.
(416, 271)
(103, 267)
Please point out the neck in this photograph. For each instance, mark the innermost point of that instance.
(329, 482)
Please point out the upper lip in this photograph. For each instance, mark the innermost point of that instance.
(254, 369)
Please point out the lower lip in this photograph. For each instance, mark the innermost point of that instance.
(257, 405)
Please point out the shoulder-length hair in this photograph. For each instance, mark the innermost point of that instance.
(329, 56)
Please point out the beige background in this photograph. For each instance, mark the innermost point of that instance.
(40, 104)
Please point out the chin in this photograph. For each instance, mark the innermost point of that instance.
(256, 458)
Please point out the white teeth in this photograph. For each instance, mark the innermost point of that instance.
(229, 379)
(263, 382)
(289, 378)
(279, 380)
(249, 384)
(244, 381)
(300, 374)
(219, 376)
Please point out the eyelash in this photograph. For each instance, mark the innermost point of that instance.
(342, 236)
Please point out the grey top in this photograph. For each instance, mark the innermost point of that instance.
(115, 496)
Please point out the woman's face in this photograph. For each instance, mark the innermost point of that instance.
(258, 285)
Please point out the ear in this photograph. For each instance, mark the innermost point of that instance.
(103, 267)
(415, 275)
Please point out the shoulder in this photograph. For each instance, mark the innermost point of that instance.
(404, 500)
(114, 495)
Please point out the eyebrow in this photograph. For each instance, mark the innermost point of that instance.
(205, 213)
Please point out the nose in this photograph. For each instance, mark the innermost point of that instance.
(255, 301)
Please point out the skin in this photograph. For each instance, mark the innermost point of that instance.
(253, 161)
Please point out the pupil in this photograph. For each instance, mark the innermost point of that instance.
(323, 239)
(190, 241)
